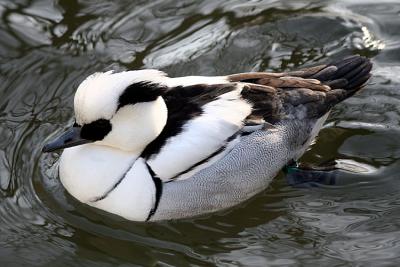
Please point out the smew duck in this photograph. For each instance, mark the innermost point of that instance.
(148, 147)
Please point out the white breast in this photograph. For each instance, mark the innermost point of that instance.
(109, 179)
(134, 197)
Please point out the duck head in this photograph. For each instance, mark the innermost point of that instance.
(121, 110)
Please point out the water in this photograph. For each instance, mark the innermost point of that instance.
(47, 47)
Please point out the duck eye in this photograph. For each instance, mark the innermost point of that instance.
(96, 130)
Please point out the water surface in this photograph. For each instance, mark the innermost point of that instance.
(48, 47)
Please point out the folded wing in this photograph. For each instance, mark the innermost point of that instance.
(205, 121)
(202, 121)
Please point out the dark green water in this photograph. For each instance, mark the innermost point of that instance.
(46, 49)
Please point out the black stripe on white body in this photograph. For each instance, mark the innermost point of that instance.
(208, 161)
(220, 117)
(194, 127)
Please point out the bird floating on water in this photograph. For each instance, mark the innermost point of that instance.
(148, 147)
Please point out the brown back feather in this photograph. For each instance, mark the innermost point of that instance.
(276, 96)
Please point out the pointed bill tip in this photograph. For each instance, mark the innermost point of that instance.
(69, 138)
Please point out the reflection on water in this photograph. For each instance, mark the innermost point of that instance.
(47, 47)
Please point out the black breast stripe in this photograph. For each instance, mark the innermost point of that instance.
(115, 185)
(222, 148)
(200, 162)
(158, 185)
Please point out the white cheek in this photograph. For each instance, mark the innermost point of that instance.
(135, 126)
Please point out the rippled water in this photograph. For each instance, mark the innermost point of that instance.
(48, 47)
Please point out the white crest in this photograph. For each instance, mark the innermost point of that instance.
(97, 96)
(133, 126)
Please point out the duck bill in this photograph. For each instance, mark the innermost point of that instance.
(70, 138)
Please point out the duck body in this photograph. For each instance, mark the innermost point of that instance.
(160, 148)
(233, 180)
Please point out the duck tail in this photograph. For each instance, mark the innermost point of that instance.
(345, 77)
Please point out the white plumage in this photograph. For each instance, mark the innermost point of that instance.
(137, 191)
(202, 135)
(97, 96)
(149, 147)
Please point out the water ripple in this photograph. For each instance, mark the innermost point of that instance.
(47, 47)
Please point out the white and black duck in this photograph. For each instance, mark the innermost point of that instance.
(149, 147)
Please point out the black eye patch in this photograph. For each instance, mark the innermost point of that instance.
(96, 130)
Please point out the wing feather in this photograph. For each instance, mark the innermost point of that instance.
(203, 118)
(220, 116)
